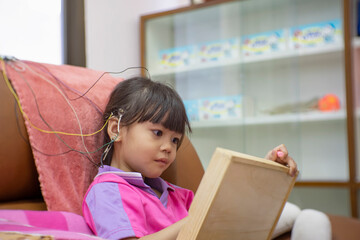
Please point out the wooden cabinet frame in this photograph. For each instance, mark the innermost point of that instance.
(352, 185)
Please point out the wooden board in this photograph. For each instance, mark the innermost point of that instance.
(239, 197)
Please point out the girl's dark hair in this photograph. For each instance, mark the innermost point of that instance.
(141, 100)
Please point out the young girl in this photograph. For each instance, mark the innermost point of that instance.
(128, 199)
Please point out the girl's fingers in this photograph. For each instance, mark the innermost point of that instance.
(292, 166)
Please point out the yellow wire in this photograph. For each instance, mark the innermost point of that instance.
(25, 115)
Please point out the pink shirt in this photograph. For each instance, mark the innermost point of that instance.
(120, 204)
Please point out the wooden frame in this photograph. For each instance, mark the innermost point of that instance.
(74, 33)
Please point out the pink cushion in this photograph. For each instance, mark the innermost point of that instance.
(52, 220)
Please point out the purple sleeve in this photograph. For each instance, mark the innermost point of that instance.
(105, 213)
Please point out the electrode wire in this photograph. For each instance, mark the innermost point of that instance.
(70, 105)
(43, 130)
(17, 98)
(109, 73)
(47, 124)
(57, 154)
(19, 66)
(46, 70)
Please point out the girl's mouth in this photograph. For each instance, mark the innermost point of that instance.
(162, 161)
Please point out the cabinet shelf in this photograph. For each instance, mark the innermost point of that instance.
(313, 116)
(257, 59)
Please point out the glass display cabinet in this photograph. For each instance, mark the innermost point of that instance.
(255, 74)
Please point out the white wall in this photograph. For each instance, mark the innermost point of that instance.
(113, 31)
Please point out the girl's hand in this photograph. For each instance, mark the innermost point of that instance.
(280, 154)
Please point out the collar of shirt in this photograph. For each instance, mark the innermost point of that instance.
(136, 179)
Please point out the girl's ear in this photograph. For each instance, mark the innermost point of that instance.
(112, 129)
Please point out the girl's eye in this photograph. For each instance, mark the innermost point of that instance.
(176, 141)
(158, 133)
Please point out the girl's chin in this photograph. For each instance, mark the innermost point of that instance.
(155, 173)
(152, 175)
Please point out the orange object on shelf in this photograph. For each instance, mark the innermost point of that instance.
(330, 102)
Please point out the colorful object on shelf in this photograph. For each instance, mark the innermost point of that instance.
(216, 108)
(295, 107)
(330, 102)
(219, 50)
(263, 43)
(316, 35)
(176, 57)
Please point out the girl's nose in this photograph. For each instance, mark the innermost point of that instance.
(166, 146)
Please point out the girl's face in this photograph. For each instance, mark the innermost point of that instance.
(145, 147)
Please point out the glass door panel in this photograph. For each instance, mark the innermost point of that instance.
(334, 200)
